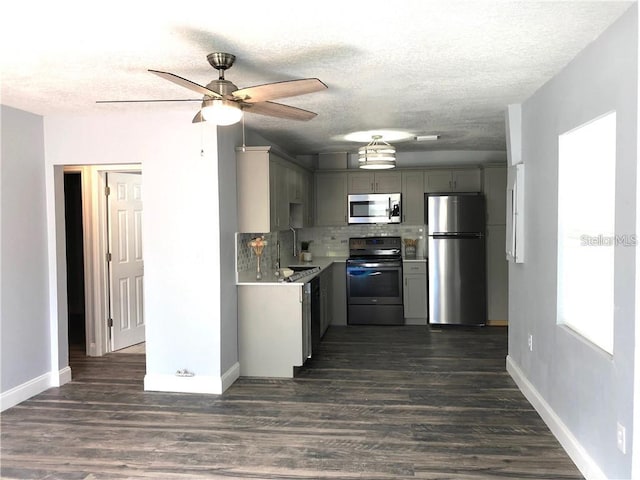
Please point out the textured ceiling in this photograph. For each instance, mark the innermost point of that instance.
(430, 67)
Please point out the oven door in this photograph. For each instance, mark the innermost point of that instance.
(374, 283)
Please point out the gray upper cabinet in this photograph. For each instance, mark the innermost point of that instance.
(279, 197)
(413, 197)
(374, 182)
(453, 180)
(331, 198)
(268, 185)
(495, 191)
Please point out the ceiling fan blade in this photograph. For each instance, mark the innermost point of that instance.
(183, 82)
(279, 110)
(271, 91)
(150, 101)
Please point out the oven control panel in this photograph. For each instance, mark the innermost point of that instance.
(377, 243)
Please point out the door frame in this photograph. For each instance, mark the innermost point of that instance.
(95, 238)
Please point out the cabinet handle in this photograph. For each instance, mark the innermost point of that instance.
(372, 189)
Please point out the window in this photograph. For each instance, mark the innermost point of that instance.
(586, 229)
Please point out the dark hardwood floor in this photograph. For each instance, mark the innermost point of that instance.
(374, 403)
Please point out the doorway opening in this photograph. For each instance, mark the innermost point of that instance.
(103, 219)
(75, 261)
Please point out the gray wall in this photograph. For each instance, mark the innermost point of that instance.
(24, 305)
(228, 138)
(181, 236)
(588, 390)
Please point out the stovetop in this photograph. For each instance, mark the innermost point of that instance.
(294, 277)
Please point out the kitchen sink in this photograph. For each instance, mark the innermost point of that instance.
(301, 268)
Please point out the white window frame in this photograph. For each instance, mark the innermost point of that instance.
(586, 230)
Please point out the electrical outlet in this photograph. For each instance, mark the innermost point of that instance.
(621, 438)
(530, 342)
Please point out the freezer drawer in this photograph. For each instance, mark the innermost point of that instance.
(457, 280)
(462, 213)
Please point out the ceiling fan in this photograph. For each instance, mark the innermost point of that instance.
(223, 103)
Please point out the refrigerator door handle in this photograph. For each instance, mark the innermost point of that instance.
(456, 235)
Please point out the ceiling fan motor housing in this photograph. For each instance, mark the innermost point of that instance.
(223, 87)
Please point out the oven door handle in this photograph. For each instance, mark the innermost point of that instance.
(364, 273)
(383, 266)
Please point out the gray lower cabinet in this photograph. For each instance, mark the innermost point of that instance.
(274, 333)
(339, 295)
(326, 294)
(415, 293)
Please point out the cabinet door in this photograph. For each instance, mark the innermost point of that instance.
(326, 283)
(279, 197)
(331, 198)
(495, 192)
(436, 181)
(497, 274)
(415, 297)
(256, 208)
(307, 194)
(295, 185)
(338, 315)
(361, 182)
(413, 198)
(467, 180)
(388, 182)
(273, 201)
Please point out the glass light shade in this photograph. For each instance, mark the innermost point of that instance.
(221, 112)
(377, 156)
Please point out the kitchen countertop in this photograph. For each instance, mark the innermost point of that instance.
(269, 278)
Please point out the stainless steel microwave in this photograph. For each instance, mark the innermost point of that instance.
(375, 208)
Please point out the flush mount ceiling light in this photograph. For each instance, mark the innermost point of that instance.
(388, 135)
(377, 155)
(220, 111)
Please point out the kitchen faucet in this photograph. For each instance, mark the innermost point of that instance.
(295, 241)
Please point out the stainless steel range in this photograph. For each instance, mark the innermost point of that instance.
(374, 281)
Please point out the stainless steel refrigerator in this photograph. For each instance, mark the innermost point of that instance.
(456, 258)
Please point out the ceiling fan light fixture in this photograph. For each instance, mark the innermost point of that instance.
(221, 112)
(377, 155)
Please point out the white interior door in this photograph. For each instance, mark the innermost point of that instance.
(126, 266)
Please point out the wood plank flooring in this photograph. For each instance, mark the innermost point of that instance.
(374, 403)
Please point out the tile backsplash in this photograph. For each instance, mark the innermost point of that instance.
(325, 242)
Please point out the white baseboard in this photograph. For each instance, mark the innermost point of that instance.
(230, 376)
(33, 387)
(587, 466)
(64, 376)
(195, 384)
